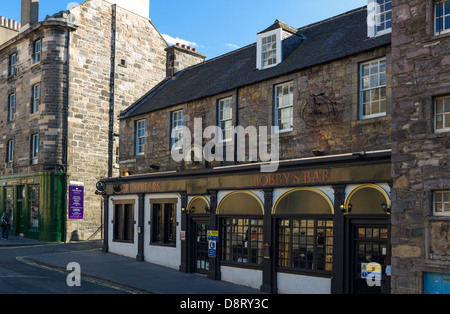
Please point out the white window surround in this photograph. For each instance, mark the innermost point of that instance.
(177, 129)
(442, 114)
(375, 14)
(140, 137)
(259, 59)
(373, 83)
(441, 203)
(225, 109)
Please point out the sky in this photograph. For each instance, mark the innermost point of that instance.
(215, 27)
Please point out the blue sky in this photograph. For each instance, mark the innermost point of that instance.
(216, 27)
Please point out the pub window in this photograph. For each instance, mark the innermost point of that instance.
(284, 102)
(226, 119)
(34, 148)
(242, 240)
(241, 224)
(304, 231)
(12, 64)
(36, 98)
(442, 17)
(441, 203)
(10, 204)
(33, 196)
(373, 89)
(123, 223)
(37, 51)
(177, 129)
(163, 222)
(305, 244)
(442, 114)
(140, 137)
(11, 106)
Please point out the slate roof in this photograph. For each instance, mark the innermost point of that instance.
(323, 42)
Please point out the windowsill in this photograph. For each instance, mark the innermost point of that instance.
(35, 64)
(441, 131)
(241, 265)
(284, 131)
(304, 272)
(169, 245)
(438, 218)
(379, 115)
(124, 241)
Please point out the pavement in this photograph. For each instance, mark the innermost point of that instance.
(125, 272)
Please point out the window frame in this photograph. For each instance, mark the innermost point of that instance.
(222, 122)
(442, 30)
(140, 138)
(36, 99)
(442, 201)
(278, 49)
(37, 51)
(375, 12)
(290, 106)
(34, 148)
(10, 151)
(11, 106)
(286, 263)
(445, 114)
(163, 222)
(381, 113)
(12, 64)
(123, 224)
(176, 125)
(228, 240)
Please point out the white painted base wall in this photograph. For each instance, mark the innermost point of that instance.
(299, 284)
(241, 276)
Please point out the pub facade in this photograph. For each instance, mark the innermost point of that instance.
(312, 224)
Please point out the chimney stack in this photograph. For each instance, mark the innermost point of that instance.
(30, 13)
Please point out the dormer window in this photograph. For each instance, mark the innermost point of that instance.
(379, 17)
(269, 49)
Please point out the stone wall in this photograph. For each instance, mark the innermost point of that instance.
(140, 62)
(345, 133)
(420, 71)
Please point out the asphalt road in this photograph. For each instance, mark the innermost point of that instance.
(19, 275)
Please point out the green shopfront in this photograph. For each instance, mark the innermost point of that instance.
(36, 205)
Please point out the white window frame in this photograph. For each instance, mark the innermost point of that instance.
(259, 49)
(11, 106)
(37, 50)
(10, 153)
(442, 111)
(372, 88)
(34, 148)
(140, 137)
(445, 27)
(284, 104)
(225, 119)
(441, 199)
(176, 129)
(36, 98)
(376, 12)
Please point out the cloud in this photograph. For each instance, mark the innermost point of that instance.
(232, 46)
(172, 41)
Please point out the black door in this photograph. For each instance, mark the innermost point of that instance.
(370, 248)
(201, 259)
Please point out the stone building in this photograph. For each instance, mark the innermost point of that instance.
(314, 221)
(421, 146)
(63, 82)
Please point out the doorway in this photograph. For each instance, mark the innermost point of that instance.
(369, 257)
(201, 258)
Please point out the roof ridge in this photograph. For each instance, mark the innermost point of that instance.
(333, 18)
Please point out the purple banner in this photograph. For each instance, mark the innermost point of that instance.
(76, 202)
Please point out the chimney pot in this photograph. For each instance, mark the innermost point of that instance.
(194, 49)
(184, 46)
(178, 44)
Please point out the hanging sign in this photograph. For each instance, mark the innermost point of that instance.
(76, 202)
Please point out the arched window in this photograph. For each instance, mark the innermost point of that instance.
(241, 220)
(367, 199)
(304, 230)
(198, 205)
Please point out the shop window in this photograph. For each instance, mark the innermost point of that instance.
(33, 196)
(242, 240)
(373, 89)
(10, 204)
(305, 244)
(163, 222)
(442, 114)
(441, 203)
(442, 17)
(123, 223)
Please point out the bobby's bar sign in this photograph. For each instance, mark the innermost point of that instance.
(299, 177)
(292, 178)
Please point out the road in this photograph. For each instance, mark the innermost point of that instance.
(20, 275)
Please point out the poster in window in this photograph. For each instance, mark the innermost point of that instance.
(76, 202)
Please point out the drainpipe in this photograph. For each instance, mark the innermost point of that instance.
(112, 92)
